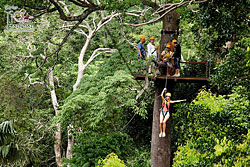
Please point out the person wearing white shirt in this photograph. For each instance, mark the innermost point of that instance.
(152, 53)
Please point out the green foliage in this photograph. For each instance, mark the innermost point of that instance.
(6, 133)
(187, 155)
(226, 17)
(122, 5)
(110, 161)
(232, 71)
(202, 127)
(226, 153)
(90, 147)
(102, 101)
(140, 157)
(212, 102)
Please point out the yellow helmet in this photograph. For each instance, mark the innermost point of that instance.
(152, 38)
(168, 94)
(168, 46)
(174, 40)
(142, 37)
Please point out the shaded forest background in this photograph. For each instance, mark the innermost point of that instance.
(211, 129)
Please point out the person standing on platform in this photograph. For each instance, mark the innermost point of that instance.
(151, 54)
(177, 58)
(166, 57)
(141, 49)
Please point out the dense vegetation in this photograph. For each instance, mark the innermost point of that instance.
(109, 125)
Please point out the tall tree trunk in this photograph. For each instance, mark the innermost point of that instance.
(161, 147)
(58, 132)
(70, 144)
(170, 28)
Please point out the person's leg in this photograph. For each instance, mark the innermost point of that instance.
(164, 124)
(161, 124)
(178, 68)
(177, 72)
(169, 69)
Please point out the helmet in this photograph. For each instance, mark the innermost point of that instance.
(174, 40)
(168, 94)
(142, 37)
(168, 46)
(152, 38)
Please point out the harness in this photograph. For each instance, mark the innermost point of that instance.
(167, 56)
(165, 107)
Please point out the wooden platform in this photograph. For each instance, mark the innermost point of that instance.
(176, 79)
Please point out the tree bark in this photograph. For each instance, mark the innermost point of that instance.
(58, 132)
(161, 146)
(80, 61)
(69, 154)
(170, 28)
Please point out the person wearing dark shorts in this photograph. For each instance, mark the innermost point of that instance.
(177, 57)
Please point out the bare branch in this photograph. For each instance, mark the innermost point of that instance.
(137, 13)
(58, 82)
(191, 8)
(94, 21)
(167, 10)
(145, 87)
(87, 26)
(65, 7)
(80, 31)
(32, 83)
(96, 54)
(106, 20)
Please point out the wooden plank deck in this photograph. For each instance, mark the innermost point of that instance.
(176, 79)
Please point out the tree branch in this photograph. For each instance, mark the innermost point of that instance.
(145, 87)
(80, 17)
(167, 10)
(82, 3)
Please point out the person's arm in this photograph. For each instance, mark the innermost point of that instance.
(161, 56)
(177, 101)
(162, 97)
(171, 55)
(139, 50)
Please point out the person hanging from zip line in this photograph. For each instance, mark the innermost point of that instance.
(165, 111)
(151, 53)
(141, 49)
(167, 58)
(177, 57)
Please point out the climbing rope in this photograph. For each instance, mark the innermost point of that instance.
(166, 82)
